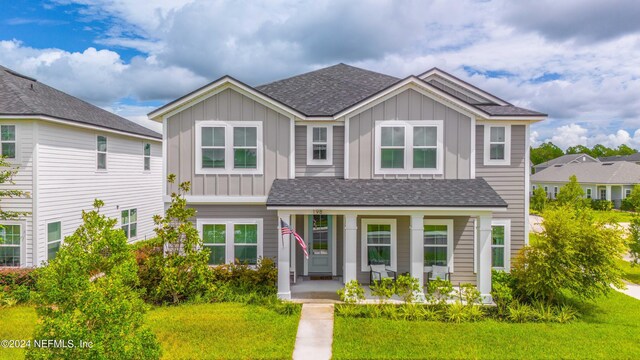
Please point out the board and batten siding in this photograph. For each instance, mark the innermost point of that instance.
(228, 105)
(68, 180)
(335, 170)
(508, 181)
(410, 105)
(22, 180)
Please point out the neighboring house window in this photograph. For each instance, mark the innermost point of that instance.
(8, 141)
(603, 194)
(231, 241)
(378, 243)
(228, 147)
(54, 239)
(533, 187)
(589, 193)
(500, 244)
(147, 156)
(546, 191)
(10, 245)
(405, 147)
(102, 152)
(497, 144)
(555, 192)
(627, 193)
(438, 243)
(320, 145)
(129, 222)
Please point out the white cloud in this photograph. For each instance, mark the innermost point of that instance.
(575, 134)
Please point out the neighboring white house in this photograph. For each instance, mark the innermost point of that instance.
(565, 159)
(600, 180)
(69, 153)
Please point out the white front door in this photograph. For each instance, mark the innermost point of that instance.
(320, 246)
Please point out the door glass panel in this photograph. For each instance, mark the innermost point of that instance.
(320, 244)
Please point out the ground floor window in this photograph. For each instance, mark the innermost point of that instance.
(231, 241)
(500, 244)
(129, 222)
(378, 243)
(438, 243)
(589, 195)
(603, 194)
(10, 235)
(627, 193)
(54, 239)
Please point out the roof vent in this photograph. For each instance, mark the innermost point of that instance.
(19, 75)
(606, 164)
(558, 165)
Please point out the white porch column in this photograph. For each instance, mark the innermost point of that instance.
(416, 250)
(609, 192)
(284, 253)
(350, 247)
(484, 257)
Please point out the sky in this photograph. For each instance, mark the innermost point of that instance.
(576, 60)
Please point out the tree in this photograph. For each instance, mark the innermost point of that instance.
(7, 172)
(571, 194)
(579, 149)
(539, 200)
(634, 198)
(634, 240)
(545, 152)
(86, 293)
(575, 254)
(624, 149)
(600, 150)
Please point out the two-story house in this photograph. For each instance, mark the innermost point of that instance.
(68, 153)
(368, 168)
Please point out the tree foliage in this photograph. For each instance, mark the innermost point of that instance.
(634, 240)
(86, 293)
(545, 152)
(572, 194)
(548, 151)
(539, 200)
(575, 254)
(7, 172)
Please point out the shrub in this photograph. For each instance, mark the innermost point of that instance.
(411, 312)
(87, 293)
(502, 285)
(565, 314)
(243, 278)
(439, 291)
(469, 294)
(633, 199)
(634, 240)
(352, 292)
(627, 205)
(18, 283)
(539, 200)
(406, 288)
(572, 194)
(602, 205)
(456, 312)
(520, 313)
(382, 289)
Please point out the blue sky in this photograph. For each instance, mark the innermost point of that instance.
(575, 60)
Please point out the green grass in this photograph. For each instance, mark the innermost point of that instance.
(206, 331)
(631, 273)
(616, 215)
(609, 329)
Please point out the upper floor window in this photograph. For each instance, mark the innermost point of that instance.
(8, 141)
(101, 148)
(228, 147)
(497, 144)
(405, 147)
(319, 145)
(147, 156)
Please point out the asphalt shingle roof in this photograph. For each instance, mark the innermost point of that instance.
(620, 172)
(632, 157)
(564, 159)
(507, 110)
(383, 192)
(21, 95)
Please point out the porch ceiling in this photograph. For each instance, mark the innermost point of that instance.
(410, 193)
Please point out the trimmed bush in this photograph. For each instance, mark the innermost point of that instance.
(17, 284)
(602, 205)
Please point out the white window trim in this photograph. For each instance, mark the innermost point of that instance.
(228, 146)
(15, 141)
(129, 223)
(507, 242)
(329, 143)
(363, 241)
(106, 153)
(450, 240)
(487, 144)
(22, 244)
(555, 192)
(408, 146)
(229, 234)
(46, 226)
(627, 193)
(144, 156)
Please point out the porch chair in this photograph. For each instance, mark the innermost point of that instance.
(379, 272)
(438, 272)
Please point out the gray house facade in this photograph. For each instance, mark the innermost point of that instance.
(367, 168)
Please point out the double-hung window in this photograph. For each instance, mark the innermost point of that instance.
(589, 195)
(627, 193)
(101, 148)
(129, 222)
(147, 156)
(8, 141)
(54, 239)
(603, 194)
(438, 243)
(409, 147)
(500, 244)
(319, 145)
(228, 147)
(10, 235)
(497, 144)
(378, 243)
(555, 192)
(230, 241)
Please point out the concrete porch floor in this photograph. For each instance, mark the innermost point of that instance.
(325, 291)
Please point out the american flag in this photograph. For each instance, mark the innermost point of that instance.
(286, 230)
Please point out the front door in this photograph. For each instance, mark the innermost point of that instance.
(320, 249)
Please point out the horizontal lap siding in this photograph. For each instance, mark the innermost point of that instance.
(335, 170)
(228, 105)
(508, 181)
(410, 105)
(68, 181)
(270, 221)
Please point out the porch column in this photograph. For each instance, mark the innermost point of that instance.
(484, 257)
(284, 253)
(416, 250)
(350, 247)
(609, 192)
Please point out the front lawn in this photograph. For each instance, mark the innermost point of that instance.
(205, 331)
(617, 215)
(608, 329)
(631, 273)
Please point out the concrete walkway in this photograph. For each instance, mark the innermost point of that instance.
(315, 332)
(632, 290)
